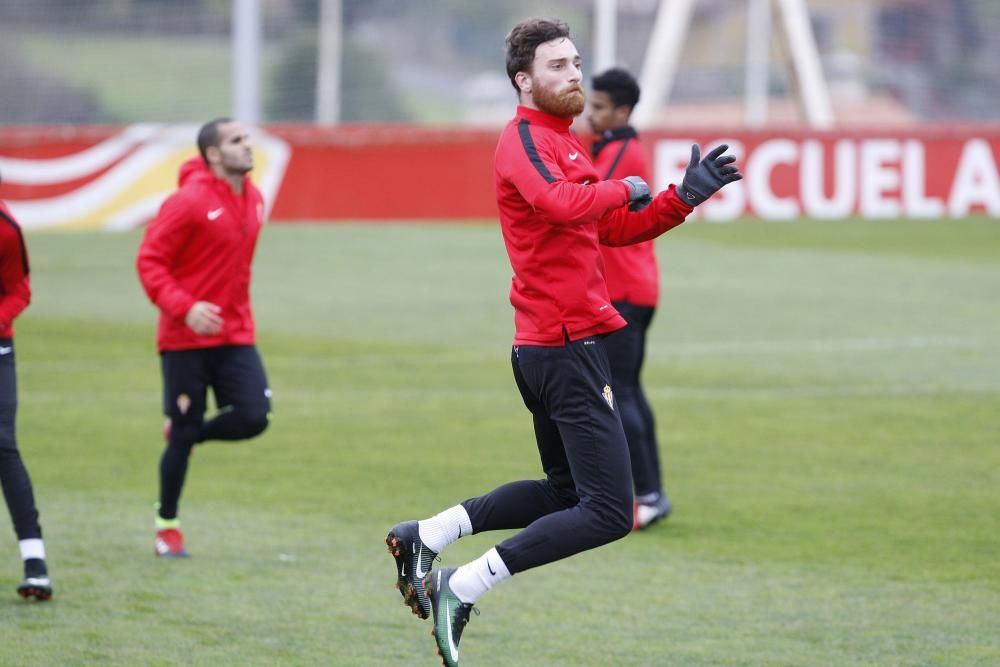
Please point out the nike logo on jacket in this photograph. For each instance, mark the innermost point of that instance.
(554, 214)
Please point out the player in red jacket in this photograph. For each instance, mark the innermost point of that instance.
(555, 211)
(634, 286)
(15, 294)
(194, 263)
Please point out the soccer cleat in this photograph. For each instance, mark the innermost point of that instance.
(645, 514)
(169, 543)
(450, 615)
(413, 563)
(39, 588)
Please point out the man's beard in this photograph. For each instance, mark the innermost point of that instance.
(238, 168)
(567, 104)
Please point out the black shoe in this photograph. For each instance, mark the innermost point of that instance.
(413, 563)
(39, 588)
(451, 615)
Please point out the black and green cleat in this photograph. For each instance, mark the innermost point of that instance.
(413, 563)
(451, 615)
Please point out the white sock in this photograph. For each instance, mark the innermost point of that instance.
(33, 548)
(473, 579)
(442, 529)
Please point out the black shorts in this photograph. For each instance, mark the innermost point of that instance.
(585, 499)
(234, 372)
(577, 427)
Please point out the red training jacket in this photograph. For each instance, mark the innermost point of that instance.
(555, 211)
(631, 271)
(199, 248)
(15, 289)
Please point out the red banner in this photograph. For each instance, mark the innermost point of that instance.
(386, 173)
(407, 173)
(115, 177)
(928, 173)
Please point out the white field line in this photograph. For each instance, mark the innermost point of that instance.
(658, 348)
(881, 390)
(821, 345)
(661, 392)
(496, 393)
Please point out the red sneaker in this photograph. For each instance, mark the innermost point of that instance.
(169, 543)
(645, 515)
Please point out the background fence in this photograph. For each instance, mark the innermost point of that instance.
(101, 101)
(441, 61)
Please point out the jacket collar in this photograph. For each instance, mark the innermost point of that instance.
(537, 117)
(608, 136)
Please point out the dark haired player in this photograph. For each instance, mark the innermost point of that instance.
(194, 263)
(634, 287)
(555, 211)
(15, 294)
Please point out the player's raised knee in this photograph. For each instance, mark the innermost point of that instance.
(256, 423)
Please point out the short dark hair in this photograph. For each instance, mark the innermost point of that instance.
(208, 135)
(620, 86)
(524, 38)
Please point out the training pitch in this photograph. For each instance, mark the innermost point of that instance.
(828, 406)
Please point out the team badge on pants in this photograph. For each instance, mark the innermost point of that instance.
(609, 396)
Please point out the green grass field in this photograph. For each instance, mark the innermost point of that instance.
(828, 403)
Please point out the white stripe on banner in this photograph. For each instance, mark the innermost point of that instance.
(77, 165)
(130, 192)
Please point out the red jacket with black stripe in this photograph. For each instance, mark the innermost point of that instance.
(631, 271)
(199, 248)
(15, 289)
(555, 212)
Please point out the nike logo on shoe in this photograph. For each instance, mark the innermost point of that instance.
(490, 567)
(451, 642)
(215, 213)
(420, 572)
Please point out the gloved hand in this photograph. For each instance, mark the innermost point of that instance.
(704, 178)
(639, 196)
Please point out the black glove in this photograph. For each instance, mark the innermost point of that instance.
(639, 196)
(703, 179)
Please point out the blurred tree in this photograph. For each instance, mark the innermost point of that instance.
(367, 93)
(40, 98)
